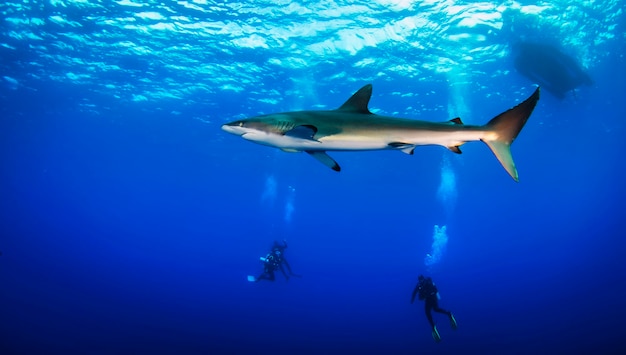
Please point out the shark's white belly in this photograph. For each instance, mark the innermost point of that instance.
(368, 139)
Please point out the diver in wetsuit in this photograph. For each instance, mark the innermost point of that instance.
(279, 252)
(275, 259)
(270, 264)
(430, 295)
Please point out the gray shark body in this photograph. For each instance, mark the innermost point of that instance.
(352, 127)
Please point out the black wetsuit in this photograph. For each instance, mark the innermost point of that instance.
(279, 251)
(428, 293)
(270, 265)
(275, 260)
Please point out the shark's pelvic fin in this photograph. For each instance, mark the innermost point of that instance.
(325, 159)
(455, 149)
(404, 147)
(505, 127)
(359, 101)
(303, 132)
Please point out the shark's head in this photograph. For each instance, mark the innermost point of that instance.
(247, 128)
(260, 129)
(237, 128)
(267, 124)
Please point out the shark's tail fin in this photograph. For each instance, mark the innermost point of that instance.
(504, 128)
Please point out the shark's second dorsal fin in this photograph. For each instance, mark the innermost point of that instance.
(358, 102)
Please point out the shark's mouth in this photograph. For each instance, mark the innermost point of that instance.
(253, 136)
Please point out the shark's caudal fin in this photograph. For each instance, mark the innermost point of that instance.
(504, 128)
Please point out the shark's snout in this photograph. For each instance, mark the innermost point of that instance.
(233, 128)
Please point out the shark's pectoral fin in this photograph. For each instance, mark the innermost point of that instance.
(303, 132)
(325, 159)
(455, 149)
(406, 148)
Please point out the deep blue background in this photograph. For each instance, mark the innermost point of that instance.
(132, 232)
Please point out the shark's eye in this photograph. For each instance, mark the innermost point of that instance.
(240, 124)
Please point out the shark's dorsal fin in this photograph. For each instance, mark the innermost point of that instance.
(302, 132)
(358, 102)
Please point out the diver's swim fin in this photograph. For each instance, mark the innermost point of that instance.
(436, 335)
(453, 322)
(251, 278)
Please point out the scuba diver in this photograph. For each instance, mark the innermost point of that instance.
(430, 295)
(274, 260)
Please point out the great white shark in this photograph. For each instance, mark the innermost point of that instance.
(352, 127)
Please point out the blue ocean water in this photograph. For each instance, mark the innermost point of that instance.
(129, 220)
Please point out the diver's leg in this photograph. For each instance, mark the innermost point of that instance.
(438, 309)
(289, 268)
(428, 306)
(266, 275)
(427, 309)
(441, 310)
(282, 269)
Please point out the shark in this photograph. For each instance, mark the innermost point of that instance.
(352, 127)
